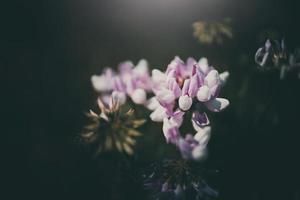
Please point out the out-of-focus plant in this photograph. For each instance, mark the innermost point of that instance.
(209, 32)
(113, 128)
(130, 80)
(274, 55)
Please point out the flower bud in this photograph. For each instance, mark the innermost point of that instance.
(212, 78)
(203, 94)
(185, 102)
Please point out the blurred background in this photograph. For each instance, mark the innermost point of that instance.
(50, 49)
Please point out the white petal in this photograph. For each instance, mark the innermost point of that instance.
(203, 93)
(217, 104)
(158, 114)
(141, 68)
(199, 153)
(212, 78)
(203, 64)
(158, 76)
(100, 83)
(165, 96)
(223, 77)
(139, 96)
(203, 135)
(152, 103)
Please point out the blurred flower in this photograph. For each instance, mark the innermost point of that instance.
(177, 179)
(132, 81)
(181, 88)
(274, 55)
(208, 32)
(112, 129)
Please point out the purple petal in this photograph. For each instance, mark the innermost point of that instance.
(185, 87)
(174, 87)
(199, 120)
(193, 88)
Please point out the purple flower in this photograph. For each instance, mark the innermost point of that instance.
(132, 81)
(274, 55)
(185, 87)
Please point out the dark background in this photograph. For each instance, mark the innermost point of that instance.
(49, 50)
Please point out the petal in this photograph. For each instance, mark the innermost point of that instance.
(185, 87)
(217, 104)
(101, 83)
(203, 65)
(165, 96)
(203, 135)
(177, 117)
(152, 103)
(224, 77)
(214, 91)
(171, 131)
(141, 68)
(212, 78)
(125, 67)
(118, 84)
(174, 87)
(139, 96)
(199, 153)
(203, 94)
(185, 102)
(158, 114)
(193, 87)
(199, 120)
(158, 77)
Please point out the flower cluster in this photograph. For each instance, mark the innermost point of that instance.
(132, 81)
(274, 54)
(190, 86)
(184, 86)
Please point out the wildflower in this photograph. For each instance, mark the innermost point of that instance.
(185, 87)
(112, 129)
(177, 179)
(132, 81)
(274, 55)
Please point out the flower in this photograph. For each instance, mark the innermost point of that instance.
(274, 55)
(112, 129)
(132, 81)
(177, 179)
(185, 87)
